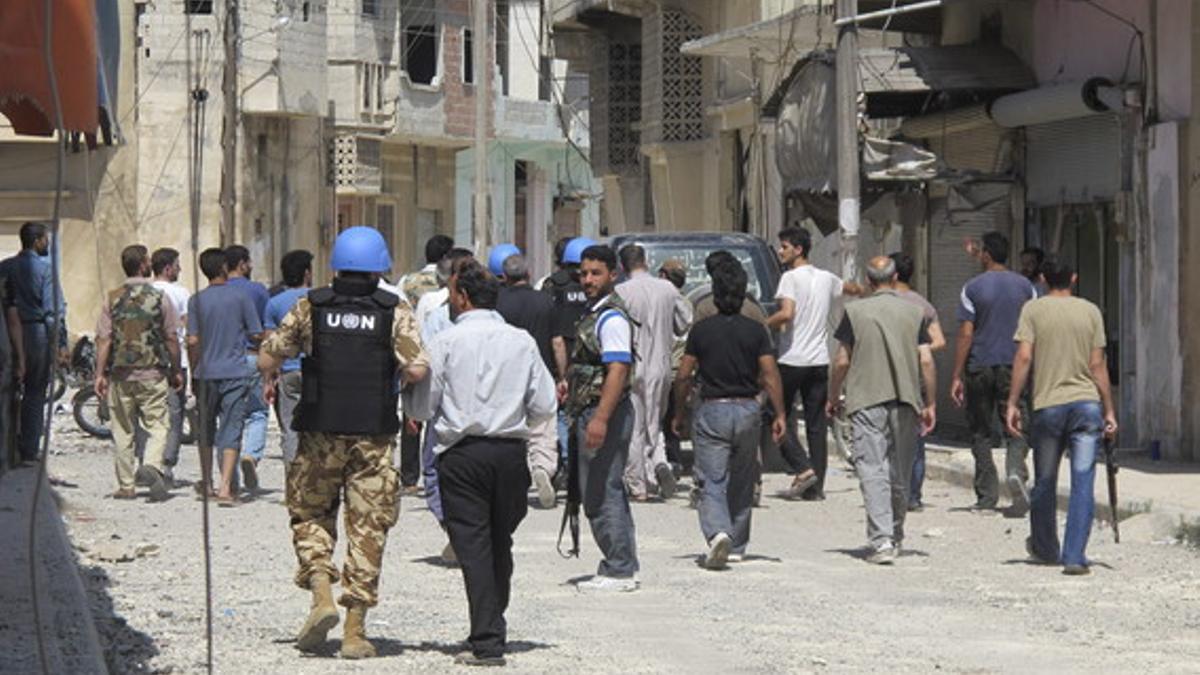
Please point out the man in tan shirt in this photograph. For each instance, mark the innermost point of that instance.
(1072, 408)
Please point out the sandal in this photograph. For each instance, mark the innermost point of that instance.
(124, 493)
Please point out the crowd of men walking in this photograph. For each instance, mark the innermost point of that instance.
(586, 380)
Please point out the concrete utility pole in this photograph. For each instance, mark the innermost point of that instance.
(483, 82)
(229, 124)
(847, 138)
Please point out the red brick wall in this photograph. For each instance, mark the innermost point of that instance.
(460, 98)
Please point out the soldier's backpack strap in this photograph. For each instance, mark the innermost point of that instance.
(319, 297)
(386, 299)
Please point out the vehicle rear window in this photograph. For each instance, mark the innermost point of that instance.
(693, 255)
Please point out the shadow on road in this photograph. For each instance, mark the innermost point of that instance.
(385, 647)
(126, 649)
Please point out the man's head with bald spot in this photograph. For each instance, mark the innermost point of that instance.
(881, 272)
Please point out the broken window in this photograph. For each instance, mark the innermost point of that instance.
(370, 8)
(419, 33)
(197, 6)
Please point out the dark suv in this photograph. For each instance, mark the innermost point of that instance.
(762, 266)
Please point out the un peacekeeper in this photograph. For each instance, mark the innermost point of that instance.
(598, 402)
(355, 338)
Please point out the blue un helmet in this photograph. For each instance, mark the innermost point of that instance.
(360, 249)
(573, 254)
(500, 253)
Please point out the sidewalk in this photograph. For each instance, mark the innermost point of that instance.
(72, 645)
(1156, 500)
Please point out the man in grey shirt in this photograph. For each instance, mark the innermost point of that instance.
(884, 361)
(489, 386)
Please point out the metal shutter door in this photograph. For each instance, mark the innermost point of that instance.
(1073, 161)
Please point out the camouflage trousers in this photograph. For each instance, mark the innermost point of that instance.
(329, 470)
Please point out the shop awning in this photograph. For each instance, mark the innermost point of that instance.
(25, 91)
(764, 39)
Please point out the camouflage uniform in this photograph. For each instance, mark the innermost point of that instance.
(419, 283)
(330, 469)
(139, 320)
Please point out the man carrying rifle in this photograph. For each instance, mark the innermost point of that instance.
(1072, 409)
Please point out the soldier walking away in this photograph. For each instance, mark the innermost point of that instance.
(734, 359)
(164, 262)
(806, 297)
(12, 370)
(597, 398)
(660, 315)
(1062, 339)
(254, 433)
(884, 361)
(489, 388)
(356, 340)
(222, 320)
(570, 304)
(296, 268)
(137, 369)
(31, 286)
(988, 311)
(412, 288)
(905, 267)
(533, 312)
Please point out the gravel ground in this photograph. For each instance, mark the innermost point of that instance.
(961, 599)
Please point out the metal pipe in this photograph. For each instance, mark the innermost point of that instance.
(887, 13)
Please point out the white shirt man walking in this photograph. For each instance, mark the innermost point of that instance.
(489, 386)
(660, 315)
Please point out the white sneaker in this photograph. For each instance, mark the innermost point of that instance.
(736, 558)
(718, 551)
(545, 489)
(605, 584)
(884, 555)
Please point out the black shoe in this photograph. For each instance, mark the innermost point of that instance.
(152, 478)
(666, 481)
(916, 507)
(250, 474)
(1076, 570)
(1034, 558)
(469, 659)
(813, 495)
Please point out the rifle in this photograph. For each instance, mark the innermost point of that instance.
(570, 517)
(1110, 465)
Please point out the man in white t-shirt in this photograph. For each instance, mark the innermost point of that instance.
(165, 263)
(806, 297)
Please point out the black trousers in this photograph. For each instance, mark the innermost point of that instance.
(811, 383)
(484, 482)
(410, 455)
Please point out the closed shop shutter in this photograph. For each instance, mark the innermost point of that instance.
(1073, 161)
(969, 213)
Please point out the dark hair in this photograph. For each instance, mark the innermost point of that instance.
(601, 253)
(437, 247)
(905, 266)
(1058, 274)
(162, 259)
(729, 287)
(293, 266)
(717, 257)
(632, 257)
(132, 259)
(480, 287)
(236, 255)
(1038, 254)
(212, 263)
(995, 245)
(560, 248)
(31, 232)
(797, 237)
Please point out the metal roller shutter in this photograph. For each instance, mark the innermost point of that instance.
(1073, 161)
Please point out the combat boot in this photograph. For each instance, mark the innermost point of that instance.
(354, 637)
(321, 618)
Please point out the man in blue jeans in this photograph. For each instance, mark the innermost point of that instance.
(1073, 407)
(254, 435)
(735, 360)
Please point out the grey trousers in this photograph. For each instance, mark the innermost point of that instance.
(725, 435)
(602, 484)
(286, 400)
(885, 439)
(647, 447)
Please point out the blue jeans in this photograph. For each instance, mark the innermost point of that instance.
(254, 434)
(918, 474)
(1075, 428)
(433, 491)
(602, 484)
(725, 437)
(564, 437)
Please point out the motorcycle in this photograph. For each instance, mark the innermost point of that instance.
(91, 412)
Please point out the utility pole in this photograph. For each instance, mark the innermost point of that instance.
(847, 137)
(229, 124)
(483, 82)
